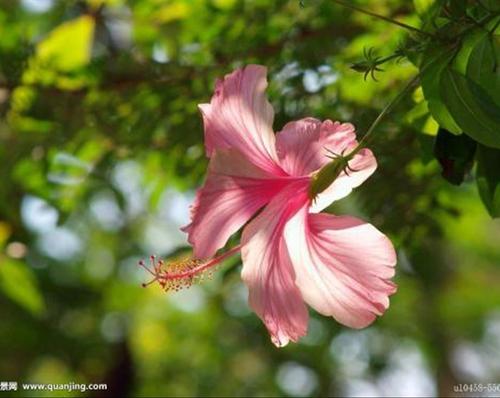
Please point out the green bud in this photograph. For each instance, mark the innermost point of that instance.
(361, 67)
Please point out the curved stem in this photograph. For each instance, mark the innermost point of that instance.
(382, 17)
(388, 108)
(389, 57)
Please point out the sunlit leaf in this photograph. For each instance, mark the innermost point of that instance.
(435, 62)
(69, 45)
(172, 12)
(18, 282)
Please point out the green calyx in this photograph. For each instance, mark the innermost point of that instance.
(321, 180)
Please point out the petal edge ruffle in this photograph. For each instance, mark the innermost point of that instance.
(343, 266)
(239, 116)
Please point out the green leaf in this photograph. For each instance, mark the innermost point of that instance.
(455, 154)
(65, 50)
(484, 66)
(492, 5)
(471, 108)
(468, 44)
(488, 178)
(69, 45)
(435, 62)
(18, 282)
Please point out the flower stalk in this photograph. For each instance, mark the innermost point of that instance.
(387, 109)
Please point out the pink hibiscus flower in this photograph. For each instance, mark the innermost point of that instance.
(292, 254)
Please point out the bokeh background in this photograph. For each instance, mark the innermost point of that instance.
(101, 151)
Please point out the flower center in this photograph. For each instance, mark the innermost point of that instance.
(176, 275)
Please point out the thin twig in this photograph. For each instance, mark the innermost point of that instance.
(384, 18)
(388, 108)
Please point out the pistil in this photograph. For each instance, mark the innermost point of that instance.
(176, 275)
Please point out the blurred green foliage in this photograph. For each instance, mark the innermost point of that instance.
(101, 149)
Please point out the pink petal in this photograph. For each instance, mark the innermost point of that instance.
(299, 148)
(301, 144)
(268, 272)
(302, 149)
(233, 192)
(240, 117)
(343, 266)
